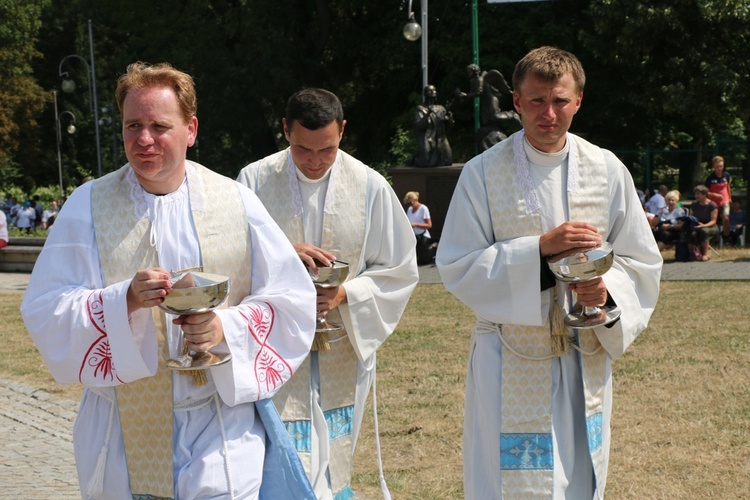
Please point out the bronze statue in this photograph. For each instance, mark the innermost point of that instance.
(489, 86)
(431, 121)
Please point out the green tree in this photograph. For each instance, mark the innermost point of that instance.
(21, 98)
(676, 72)
(667, 74)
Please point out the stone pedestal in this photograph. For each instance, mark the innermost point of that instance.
(435, 186)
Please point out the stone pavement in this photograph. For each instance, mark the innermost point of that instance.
(36, 459)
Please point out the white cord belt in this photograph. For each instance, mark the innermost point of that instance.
(483, 327)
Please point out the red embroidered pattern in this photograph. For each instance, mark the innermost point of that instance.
(97, 362)
(270, 367)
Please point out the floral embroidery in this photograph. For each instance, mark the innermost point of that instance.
(270, 368)
(95, 309)
(97, 361)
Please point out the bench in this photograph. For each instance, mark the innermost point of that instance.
(20, 255)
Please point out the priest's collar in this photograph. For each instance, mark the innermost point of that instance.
(522, 168)
(545, 159)
(191, 185)
(296, 175)
(301, 176)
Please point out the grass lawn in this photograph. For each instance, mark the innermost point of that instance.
(681, 423)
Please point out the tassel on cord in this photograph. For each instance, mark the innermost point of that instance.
(95, 487)
(199, 376)
(96, 484)
(558, 331)
(320, 342)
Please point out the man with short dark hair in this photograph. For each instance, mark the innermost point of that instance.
(538, 394)
(333, 207)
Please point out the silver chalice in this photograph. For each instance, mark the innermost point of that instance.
(577, 267)
(328, 277)
(195, 292)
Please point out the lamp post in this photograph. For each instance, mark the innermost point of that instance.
(68, 86)
(71, 128)
(107, 121)
(412, 32)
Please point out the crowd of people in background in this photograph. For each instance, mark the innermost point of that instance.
(29, 215)
(711, 218)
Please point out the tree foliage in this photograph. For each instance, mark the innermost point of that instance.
(21, 98)
(667, 74)
(678, 69)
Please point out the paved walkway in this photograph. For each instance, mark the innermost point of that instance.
(36, 456)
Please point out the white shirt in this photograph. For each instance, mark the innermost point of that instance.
(656, 204)
(420, 216)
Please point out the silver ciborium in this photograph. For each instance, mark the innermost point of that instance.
(195, 292)
(328, 277)
(580, 266)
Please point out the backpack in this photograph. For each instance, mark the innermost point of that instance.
(682, 252)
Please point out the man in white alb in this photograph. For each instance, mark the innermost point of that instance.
(144, 431)
(538, 401)
(333, 207)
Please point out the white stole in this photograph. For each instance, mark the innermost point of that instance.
(122, 236)
(527, 457)
(343, 234)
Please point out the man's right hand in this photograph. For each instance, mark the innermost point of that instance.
(569, 236)
(312, 256)
(148, 289)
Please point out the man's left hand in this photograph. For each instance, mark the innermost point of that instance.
(590, 293)
(201, 331)
(329, 298)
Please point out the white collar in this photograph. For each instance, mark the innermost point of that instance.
(295, 175)
(191, 185)
(522, 170)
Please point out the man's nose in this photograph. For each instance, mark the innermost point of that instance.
(145, 137)
(317, 159)
(548, 111)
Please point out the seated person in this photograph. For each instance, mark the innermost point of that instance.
(706, 212)
(651, 218)
(657, 204)
(669, 229)
(736, 222)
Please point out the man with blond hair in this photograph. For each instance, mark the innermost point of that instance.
(538, 394)
(144, 431)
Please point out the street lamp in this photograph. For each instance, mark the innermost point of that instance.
(106, 121)
(412, 29)
(412, 32)
(68, 86)
(71, 129)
